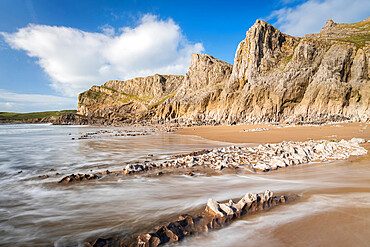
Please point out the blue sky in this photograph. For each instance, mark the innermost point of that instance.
(52, 50)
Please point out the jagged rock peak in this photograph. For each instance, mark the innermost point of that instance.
(330, 23)
(260, 51)
(205, 70)
(260, 28)
(334, 30)
(260, 23)
(197, 58)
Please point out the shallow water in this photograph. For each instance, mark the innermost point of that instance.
(36, 212)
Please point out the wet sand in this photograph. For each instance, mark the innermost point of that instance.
(279, 133)
(340, 227)
(336, 216)
(334, 202)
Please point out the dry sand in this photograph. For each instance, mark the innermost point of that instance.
(276, 134)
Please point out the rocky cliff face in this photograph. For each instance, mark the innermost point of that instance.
(128, 101)
(275, 78)
(199, 93)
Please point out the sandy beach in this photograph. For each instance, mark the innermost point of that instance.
(335, 226)
(278, 133)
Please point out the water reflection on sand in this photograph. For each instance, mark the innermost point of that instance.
(35, 212)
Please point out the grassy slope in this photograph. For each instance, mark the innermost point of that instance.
(358, 40)
(32, 115)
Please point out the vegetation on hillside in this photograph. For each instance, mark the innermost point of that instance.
(359, 40)
(32, 115)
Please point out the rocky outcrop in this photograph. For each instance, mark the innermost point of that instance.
(263, 158)
(34, 120)
(199, 92)
(127, 101)
(77, 119)
(78, 177)
(215, 216)
(275, 78)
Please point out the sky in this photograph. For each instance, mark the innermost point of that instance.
(50, 51)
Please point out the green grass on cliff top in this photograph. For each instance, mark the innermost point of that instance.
(32, 115)
(359, 40)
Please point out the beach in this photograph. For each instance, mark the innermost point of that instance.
(265, 133)
(338, 216)
(333, 205)
(182, 124)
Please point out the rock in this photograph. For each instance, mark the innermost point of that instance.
(190, 174)
(249, 198)
(240, 205)
(261, 166)
(148, 240)
(187, 225)
(266, 196)
(219, 167)
(213, 207)
(357, 140)
(330, 23)
(107, 172)
(261, 158)
(75, 119)
(282, 199)
(277, 162)
(227, 209)
(78, 177)
(130, 100)
(275, 78)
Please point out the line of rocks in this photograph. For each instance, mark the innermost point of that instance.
(78, 177)
(260, 158)
(255, 130)
(273, 156)
(216, 215)
(137, 131)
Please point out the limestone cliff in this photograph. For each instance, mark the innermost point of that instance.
(275, 78)
(129, 100)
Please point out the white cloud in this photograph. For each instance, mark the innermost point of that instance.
(311, 16)
(75, 59)
(107, 30)
(15, 102)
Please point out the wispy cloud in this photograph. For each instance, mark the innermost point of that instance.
(75, 60)
(15, 102)
(310, 16)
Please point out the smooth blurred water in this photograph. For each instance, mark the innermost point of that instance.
(40, 212)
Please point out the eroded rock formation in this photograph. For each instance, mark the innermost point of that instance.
(275, 78)
(263, 158)
(215, 215)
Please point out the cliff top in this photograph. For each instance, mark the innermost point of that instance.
(356, 33)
